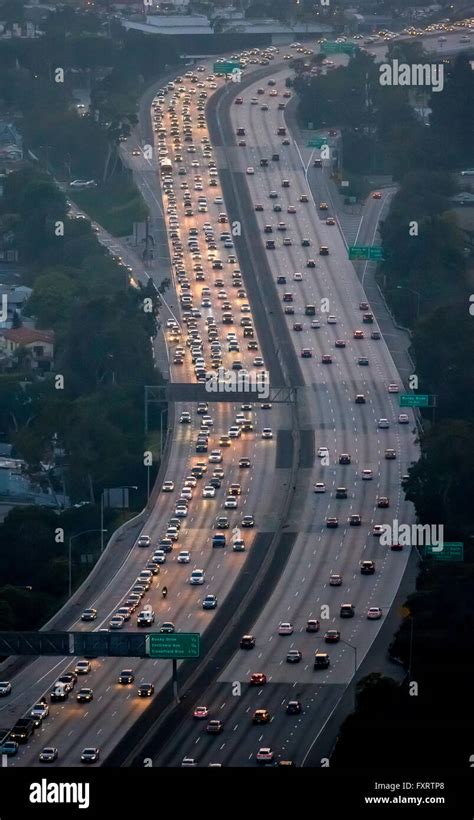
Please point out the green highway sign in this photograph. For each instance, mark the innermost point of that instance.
(448, 551)
(175, 645)
(338, 48)
(317, 142)
(365, 252)
(226, 67)
(414, 400)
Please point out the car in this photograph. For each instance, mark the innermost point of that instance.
(69, 679)
(323, 206)
(197, 577)
(312, 625)
(322, 452)
(39, 712)
(390, 454)
(293, 707)
(363, 306)
(332, 523)
(248, 521)
(363, 361)
(294, 656)
(375, 334)
(126, 676)
(305, 243)
(82, 667)
(310, 263)
(145, 690)
(383, 501)
(201, 712)
(261, 716)
(84, 695)
(208, 491)
(335, 580)
(332, 636)
(324, 250)
(159, 557)
(183, 557)
(367, 567)
(144, 541)
(48, 755)
(359, 399)
(376, 195)
(257, 679)
(358, 334)
(5, 688)
(331, 320)
(167, 628)
(89, 615)
(326, 358)
(250, 171)
(267, 433)
(265, 755)
(403, 419)
(9, 748)
(304, 198)
(209, 602)
(330, 220)
(383, 424)
(319, 487)
(298, 277)
(374, 613)
(244, 462)
(214, 727)
(366, 474)
(354, 520)
(188, 763)
(168, 487)
(339, 343)
(285, 628)
(347, 611)
(90, 754)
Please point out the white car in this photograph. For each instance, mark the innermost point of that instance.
(322, 452)
(315, 323)
(159, 557)
(5, 687)
(298, 277)
(250, 171)
(197, 577)
(168, 486)
(215, 457)
(403, 419)
(378, 529)
(235, 431)
(319, 487)
(393, 388)
(285, 628)
(186, 493)
(366, 475)
(209, 492)
(218, 200)
(230, 503)
(374, 613)
(383, 424)
(331, 320)
(185, 418)
(144, 541)
(184, 557)
(267, 432)
(335, 580)
(116, 622)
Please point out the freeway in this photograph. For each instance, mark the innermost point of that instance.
(304, 590)
(114, 708)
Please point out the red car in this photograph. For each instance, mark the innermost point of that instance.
(257, 679)
(376, 195)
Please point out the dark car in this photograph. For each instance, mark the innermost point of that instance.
(347, 611)
(294, 656)
(145, 690)
(90, 755)
(126, 676)
(367, 567)
(332, 636)
(214, 727)
(247, 642)
(293, 707)
(261, 716)
(85, 695)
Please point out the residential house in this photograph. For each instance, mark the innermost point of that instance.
(39, 346)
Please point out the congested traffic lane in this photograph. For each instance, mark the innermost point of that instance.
(342, 426)
(114, 707)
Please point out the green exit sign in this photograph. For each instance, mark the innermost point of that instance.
(317, 142)
(226, 67)
(365, 252)
(448, 551)
(175, 645)
(414, 400)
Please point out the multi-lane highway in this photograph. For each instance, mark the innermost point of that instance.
(357, 364)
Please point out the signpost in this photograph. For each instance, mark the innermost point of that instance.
(338, 48)
(371, 252)
(175, 645)
(317, 142)
(226, 67)
(415, 400)
(449, 551)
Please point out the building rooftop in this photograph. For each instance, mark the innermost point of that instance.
(27, 335)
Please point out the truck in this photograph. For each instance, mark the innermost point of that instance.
(22, 730)
(310, 310)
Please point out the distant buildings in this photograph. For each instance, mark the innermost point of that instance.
(34, 347)
(11, 143)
